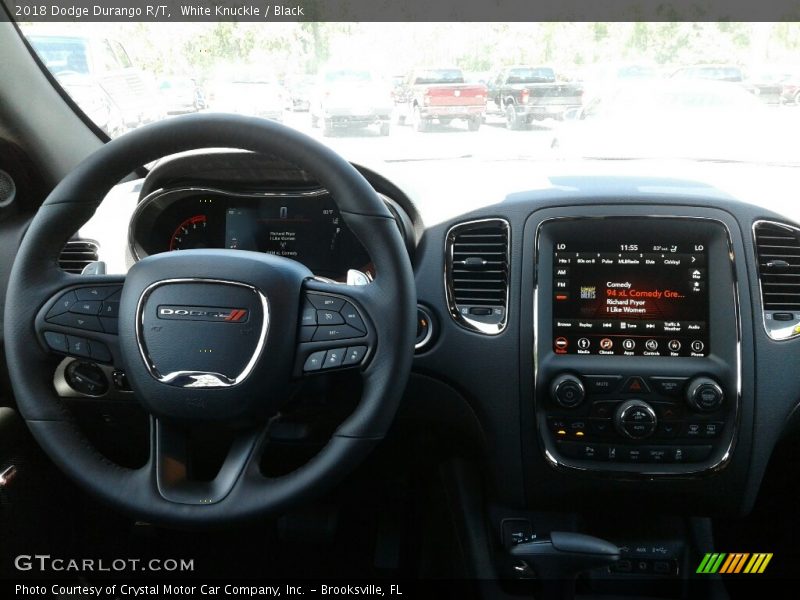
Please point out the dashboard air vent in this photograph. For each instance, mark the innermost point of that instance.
(76, 254)
(476, 279)
(778, 253)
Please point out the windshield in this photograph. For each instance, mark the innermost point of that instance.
(398, 92)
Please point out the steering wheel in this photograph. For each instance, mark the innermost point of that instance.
(209, 336)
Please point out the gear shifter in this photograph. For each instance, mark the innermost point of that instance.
(559, 558)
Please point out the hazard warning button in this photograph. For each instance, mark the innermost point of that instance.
(635, 385)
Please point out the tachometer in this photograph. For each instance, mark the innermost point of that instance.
(191, 233)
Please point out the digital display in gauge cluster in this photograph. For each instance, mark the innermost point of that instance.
(630, 299)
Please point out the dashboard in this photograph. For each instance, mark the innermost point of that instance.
(628, 333)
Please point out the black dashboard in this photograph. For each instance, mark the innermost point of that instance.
(630, 334)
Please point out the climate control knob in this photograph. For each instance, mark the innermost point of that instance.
(704, 394)
(567, 391)
(635, 419)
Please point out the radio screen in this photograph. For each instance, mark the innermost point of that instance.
(630, 299)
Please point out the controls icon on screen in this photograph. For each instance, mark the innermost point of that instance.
(606, 344)
(651, 345)
(674, 345)
(584, 343)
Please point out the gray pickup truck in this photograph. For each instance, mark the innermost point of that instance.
(525, 93)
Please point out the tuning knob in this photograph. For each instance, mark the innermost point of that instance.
(567, 391)
(704, 394)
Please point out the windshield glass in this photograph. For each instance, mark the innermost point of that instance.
(428, 91)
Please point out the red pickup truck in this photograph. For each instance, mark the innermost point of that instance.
(440, 94)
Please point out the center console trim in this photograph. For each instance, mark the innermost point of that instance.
(648, 470)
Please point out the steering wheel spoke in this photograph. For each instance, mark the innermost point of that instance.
(82, 320)
(173, 458)
(335, 330)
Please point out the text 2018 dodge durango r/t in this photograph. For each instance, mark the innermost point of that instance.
(553, 360)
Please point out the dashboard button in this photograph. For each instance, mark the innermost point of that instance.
(657, 454)
(336, 332)
(321, 302)
(635, 385)
(56, 341)
(668, 411)
(693, 430)
(351, 317)
(62, 305)
(354, 355)
(78, 346)
(88, 322)
(85, 307)
(314, 361)
(668, 429)
(602, 384)
(783, 316)
(329, 317)
(668, 386)
(601, 427)
(712, 429)
(632, 455)
(604, 410)
(334, 358)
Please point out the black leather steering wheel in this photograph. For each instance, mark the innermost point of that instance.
(208, 336)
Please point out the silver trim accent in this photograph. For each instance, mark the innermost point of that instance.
(780, 334)
(170, 195)
(428, 336)
(654, 471)
(463, 320)
(200, 379)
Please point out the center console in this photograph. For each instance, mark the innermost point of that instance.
(636, 344)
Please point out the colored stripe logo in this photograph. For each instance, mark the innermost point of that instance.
(735, 562)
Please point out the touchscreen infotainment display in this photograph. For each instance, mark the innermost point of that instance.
(630, 299)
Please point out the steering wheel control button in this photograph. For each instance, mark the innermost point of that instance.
(86, 378)
(567, 391)
(85, 307)
(109, 309)
(334, 358)
(110, 325)
(704, 395)
(307, 333)
(329, 317)
(99, 351)
(56, 341)
(308, 316)
(336, 332)
(668, 386)
(77, 321)
(62, 305)
(322, 302)
(100, 292)
(635, 385)
(78, 346)
(354, 355)
(601, 384)
(314, 361)
(635, 419)
(351, 317)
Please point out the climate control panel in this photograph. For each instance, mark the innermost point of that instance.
(636, 419)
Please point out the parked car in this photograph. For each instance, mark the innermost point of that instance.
(526, 93)
(105, 63)
(667, 118)
(93, 100)
(181, 95)
(300, 92)
(441, 94)
(768, 91)
(247, 93)
(351, 98)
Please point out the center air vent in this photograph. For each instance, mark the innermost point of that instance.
(76, 254)
(778, 252)
(476, 277)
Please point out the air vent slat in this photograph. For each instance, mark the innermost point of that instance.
(778, 249)
(76, 254)
(477, 274)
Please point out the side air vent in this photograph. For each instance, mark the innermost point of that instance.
(76, 255)
(476, 277)
(778, 253)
